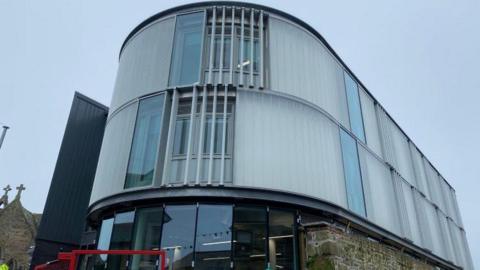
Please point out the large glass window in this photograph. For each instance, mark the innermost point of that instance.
(145, 142)
(187, 48)
(354, 107)
(353, 178)
(148, 227)
(180, 141)
(281, 239)
(178, 235)
(121, 239)
(249, 229)
(214, 237)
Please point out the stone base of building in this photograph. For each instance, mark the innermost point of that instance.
(327, 247)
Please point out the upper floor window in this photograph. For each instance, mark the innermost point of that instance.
(211, 128)
(353, 177)
(146, 138)
(187, 48)
(354, 107)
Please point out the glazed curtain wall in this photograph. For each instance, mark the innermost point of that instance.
(201, 236)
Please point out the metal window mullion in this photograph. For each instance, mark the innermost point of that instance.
(224, 136)
(171, 130)
(222, 49)
(232, 39)
(242, 37)
(190, 135)
(252, 42)
(212, 134)
(261, 49)
(202, 132)
(212, 45)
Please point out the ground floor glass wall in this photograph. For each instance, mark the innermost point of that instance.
(201, 236)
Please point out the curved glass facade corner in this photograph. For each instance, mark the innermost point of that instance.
(239, 95)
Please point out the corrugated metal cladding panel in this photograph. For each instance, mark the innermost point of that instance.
(370, 122)
(434, 228)
(144, 63)
(285, 145)
(113, 161)
(301, 66)
(379, 192)
(64, 213)
(420, 174)
(413, 221)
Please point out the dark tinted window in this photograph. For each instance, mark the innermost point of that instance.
(121, 239)
(178, 235)
(214, 237)
(281, 236)
(148, 227)
(249, 229)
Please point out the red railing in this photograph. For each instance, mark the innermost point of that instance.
(71, 258)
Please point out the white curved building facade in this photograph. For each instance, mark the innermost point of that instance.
(232, 121)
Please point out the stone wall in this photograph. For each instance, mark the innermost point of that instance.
(328, 248)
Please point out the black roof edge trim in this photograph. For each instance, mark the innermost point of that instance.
(245, 194)
(287, 16)
(90, 100)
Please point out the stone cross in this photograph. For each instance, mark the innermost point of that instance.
(6, 189)
(20, 189)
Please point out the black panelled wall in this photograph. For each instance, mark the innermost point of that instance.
(63, 220)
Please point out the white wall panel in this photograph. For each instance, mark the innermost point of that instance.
(402, 153)
(379, 192)
(413, 220)
(450, 254)
(145, 62)
(301, 66)
(457, 217)
(434, 228)
(434, 185)
(420, 174)
(370, 122)
(113, 160)
(285, 145)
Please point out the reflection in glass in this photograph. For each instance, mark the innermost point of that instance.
(180, 141)
(281, 240)
(145, 142)
(187, 46)
(104, 241)
(121, 239)
(353, 178)
(148, 227)
(178, 234)
(249, 229)
(214, 237)
(354, 107)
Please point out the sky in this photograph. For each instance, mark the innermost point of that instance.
(418, 58)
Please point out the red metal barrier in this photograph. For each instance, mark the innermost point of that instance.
(69, 260)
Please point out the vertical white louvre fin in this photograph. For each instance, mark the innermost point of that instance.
(212, 45)
(224, 135)
(212, 135)
(252, 45)
(222, 48)
(190, 135)
(242, 38)
(171, 130)
(260, 26)
(201, 134)
(401, 204)
(232, 41)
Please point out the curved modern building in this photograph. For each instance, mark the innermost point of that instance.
(235, 130)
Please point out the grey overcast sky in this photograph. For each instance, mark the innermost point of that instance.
(418, 58)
